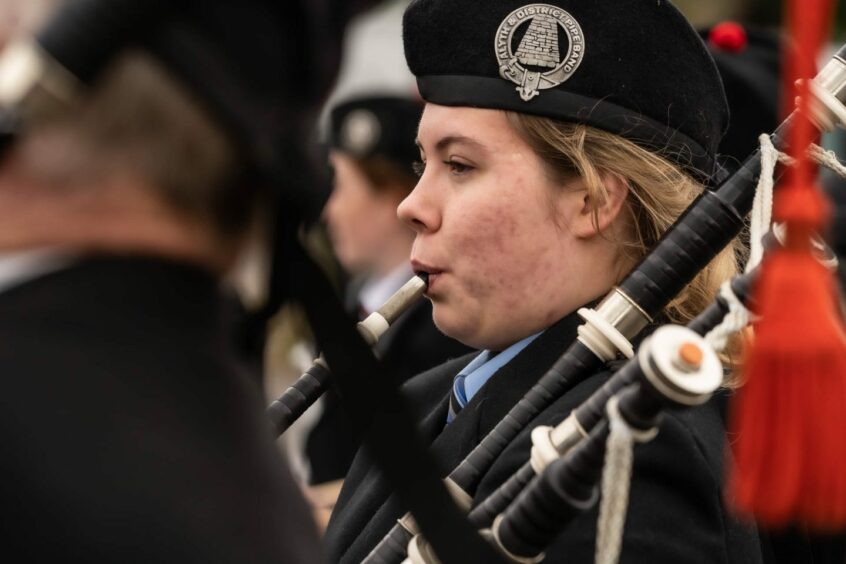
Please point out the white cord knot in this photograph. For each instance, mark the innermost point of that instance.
(827, 159)
(737, 318)
(762, 206)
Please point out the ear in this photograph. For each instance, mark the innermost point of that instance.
(596, 216)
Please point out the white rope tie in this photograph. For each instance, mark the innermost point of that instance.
(762, 206)
(616, 479)
(827, 159)
(737, 318)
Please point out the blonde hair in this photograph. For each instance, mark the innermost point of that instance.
(659, 192)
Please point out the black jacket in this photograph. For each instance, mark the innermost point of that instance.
(413, 344)
(127, 432)
(676, 512)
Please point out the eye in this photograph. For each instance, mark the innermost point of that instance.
(418, 167)
(456, 168)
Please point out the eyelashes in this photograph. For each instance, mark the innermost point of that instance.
(455, 168)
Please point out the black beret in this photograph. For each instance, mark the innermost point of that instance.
(749, 61)
(377, 126)
(632, 67)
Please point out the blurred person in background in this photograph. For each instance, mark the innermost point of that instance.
(372, 153)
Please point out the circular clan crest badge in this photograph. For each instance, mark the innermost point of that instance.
(537, 61)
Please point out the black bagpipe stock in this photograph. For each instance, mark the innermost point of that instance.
(568, 486)
(316, 380)
(708, 225)
(581, 422)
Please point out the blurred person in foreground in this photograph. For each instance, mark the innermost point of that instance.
(372, 153)
(129, 432)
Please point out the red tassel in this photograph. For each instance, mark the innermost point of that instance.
(789, 418)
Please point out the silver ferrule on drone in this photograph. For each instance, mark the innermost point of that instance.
(608, 329)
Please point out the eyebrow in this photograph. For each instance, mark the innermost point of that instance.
(445, 142)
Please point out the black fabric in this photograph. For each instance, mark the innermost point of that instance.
(129, 434)
(391, 135)
(640, 56)
(752, 79)
(676, 512)
(796, 546)
(413, 344)
(486, 92)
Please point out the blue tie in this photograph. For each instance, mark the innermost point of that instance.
(457, 397)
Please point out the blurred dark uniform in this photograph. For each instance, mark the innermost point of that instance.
(129, 433)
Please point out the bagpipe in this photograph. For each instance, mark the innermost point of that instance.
(568, 459)
(308, 388)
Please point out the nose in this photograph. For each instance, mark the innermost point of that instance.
(332, 207)
(419, 210)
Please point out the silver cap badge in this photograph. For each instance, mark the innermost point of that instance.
(360, 132)
(538, 63)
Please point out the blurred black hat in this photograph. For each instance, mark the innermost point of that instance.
(377, 126)
(631, 67)
(262, 67)
(749, 61)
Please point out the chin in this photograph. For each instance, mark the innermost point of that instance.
(456, 326)
(448, 323)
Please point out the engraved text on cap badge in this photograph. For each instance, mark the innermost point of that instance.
(530, 51)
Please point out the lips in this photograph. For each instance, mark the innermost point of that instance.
(432, 273)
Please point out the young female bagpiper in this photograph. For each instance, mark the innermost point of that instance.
(559, 142)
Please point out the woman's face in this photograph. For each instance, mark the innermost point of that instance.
(362, 221)
(500, 267)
